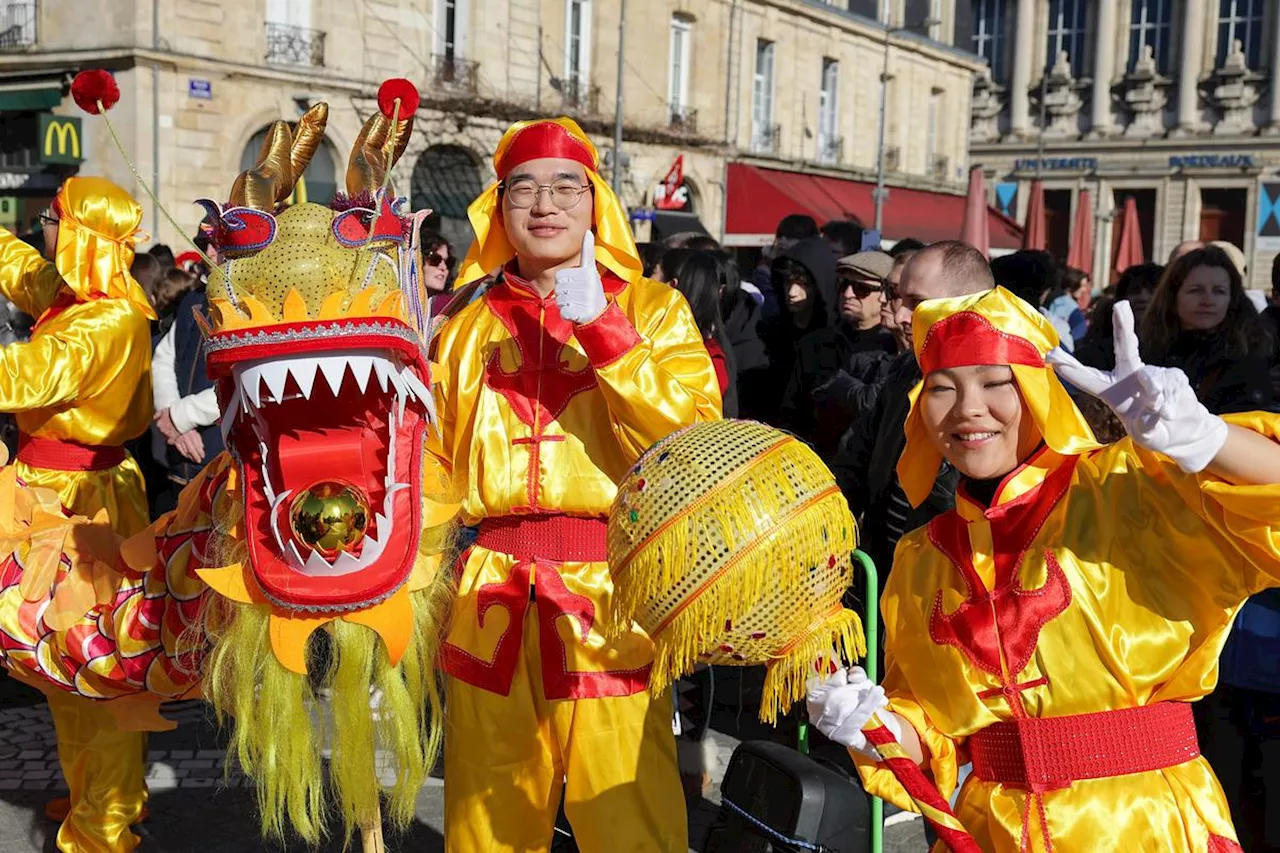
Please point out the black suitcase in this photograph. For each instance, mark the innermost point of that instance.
(772, 796)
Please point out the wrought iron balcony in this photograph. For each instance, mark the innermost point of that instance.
(290, 45)
(454, 73)
(766, 139)
(831, 150)
(580, 96)
(683, 119)
(18, 25)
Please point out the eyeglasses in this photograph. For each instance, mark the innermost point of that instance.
(565, 195)
(435, 259)
(47, 219)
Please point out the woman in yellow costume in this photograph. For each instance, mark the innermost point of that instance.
(80, 389)
(1054, 627)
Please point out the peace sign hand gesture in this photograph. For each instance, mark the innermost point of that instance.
(1157, 405)
(579, 291)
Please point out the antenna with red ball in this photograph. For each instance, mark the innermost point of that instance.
(397, 100)
(95, 91)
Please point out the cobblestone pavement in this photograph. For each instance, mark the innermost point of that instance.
(196, 805)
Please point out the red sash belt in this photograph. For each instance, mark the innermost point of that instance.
(62, 455)
(554, 538)
(1050, 753)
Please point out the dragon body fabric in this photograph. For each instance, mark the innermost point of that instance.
(298, 578)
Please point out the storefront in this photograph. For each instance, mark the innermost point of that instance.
(38, 149)
(1180, 193)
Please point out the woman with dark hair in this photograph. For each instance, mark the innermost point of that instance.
(1201, 321)
(700, 277)
(437, 267)
(1137, 284)
(670, 261)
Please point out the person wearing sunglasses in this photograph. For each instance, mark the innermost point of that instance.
(437, 266)
(549, 387)
(821, 397)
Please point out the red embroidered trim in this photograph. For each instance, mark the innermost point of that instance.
(558, 681)
(494, 675)
(608, 337)
(556, 538)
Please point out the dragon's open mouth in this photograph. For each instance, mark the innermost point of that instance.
(339, 429)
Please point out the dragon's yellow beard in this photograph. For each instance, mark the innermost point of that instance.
(279, 725)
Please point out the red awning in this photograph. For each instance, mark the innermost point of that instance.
(757, 198)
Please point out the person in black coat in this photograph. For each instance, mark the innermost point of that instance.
(817, 405)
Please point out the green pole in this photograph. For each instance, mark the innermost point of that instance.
(871, 624)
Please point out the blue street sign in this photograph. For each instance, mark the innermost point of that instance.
(201, 89)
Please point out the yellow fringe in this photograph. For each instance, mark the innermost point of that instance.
(840, 636)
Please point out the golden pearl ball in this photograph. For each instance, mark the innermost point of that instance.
(329, 518)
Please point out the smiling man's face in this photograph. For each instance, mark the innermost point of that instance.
(544, 233)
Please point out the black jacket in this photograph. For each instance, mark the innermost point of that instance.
(817, 406)
(1222, 383)
(866, 469)
(780, 334)
(193, 377)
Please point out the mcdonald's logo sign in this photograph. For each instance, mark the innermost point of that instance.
(60, 139)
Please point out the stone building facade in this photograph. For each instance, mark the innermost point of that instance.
(1173, 102)
(201, 82)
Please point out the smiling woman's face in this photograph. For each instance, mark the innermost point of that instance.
(543, 233)
(976, 419)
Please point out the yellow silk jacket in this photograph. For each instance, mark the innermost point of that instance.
(1114, 577)
(85, 376)
(537, 418)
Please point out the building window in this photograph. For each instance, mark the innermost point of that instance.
(317, 184)
(681, 39)
(577, 49)
(1067, 34)
(290, 39)
(1222, 214)
(1149, 26)
(763, 132)
(1240, 21)
(866, 8)
(935, 165)
(451, 29)
(17, 25)
(829, 141)
(989, 20)
(446, 178)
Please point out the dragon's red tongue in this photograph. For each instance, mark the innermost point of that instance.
(348, 456)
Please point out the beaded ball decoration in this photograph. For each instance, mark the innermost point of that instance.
(730, 543)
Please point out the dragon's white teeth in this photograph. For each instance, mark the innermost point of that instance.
(317, 565)
(334, 369)
(303, 371)
(229, 416)
(416, 386)
(298, 562)
(275, 374)
(382, 369)
(361, 366)
(251, 385)
(280, 498)
(345, 564)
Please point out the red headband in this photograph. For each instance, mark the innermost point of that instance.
(967, 339)
(544, 139)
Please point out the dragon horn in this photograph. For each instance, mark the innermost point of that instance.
(270, 180)
(307, 137)
(367, 165)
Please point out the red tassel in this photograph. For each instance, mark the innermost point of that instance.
(94, 86)
(398, 87)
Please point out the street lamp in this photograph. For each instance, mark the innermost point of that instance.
(880, 193)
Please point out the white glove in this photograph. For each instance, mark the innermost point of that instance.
(1157, 405)
(842, 704)
(579, 291)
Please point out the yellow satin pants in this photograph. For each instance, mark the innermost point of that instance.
(106, 772)
(509, 759)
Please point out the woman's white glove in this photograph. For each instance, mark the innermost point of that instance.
(579, 290)
(842, 704)
(1157, 405)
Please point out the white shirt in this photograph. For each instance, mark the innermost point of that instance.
(189, 412)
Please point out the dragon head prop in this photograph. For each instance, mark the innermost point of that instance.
(331, 522)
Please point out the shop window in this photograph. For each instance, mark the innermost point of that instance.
(1145, 200)
(1222, 214)
(1057, 222)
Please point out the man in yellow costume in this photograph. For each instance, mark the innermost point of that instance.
(1056, 625)
(80, 389)
(549, 387)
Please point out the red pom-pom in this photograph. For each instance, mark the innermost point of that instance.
(89, 88)
(401, 88)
